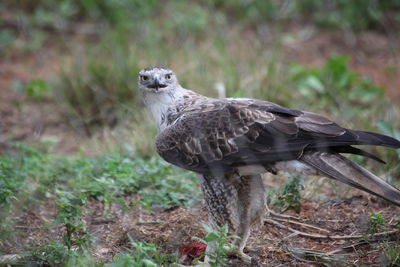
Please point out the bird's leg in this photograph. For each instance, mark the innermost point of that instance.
(251, 209)
(239, 245)
(221, 199)
(238, 202)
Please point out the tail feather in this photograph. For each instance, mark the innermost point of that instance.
(356, 151)
(369, 138)
(340, 168)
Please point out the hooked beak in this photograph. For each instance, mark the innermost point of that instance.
(157, 85)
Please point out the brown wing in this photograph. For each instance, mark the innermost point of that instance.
(221, 134)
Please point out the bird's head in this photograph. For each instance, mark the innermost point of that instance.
(159, 89)
(157, 80)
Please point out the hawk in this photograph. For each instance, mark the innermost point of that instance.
(230, 142)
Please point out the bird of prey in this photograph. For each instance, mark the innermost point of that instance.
(230, 142)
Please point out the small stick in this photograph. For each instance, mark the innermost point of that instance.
(335, 237)
(290, 236)
(26, 227)
(303, 224)
(334, 221)
(278, 215)
(9, 259)
(149, 222)
(349, 248)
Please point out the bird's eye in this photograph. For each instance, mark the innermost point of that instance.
(168, 76)
(144, 77)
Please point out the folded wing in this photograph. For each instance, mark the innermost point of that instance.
(223, 134)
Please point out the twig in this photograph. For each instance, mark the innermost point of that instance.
(350, 248)
(102, 222)
(9, 259)
(317, 256)
(271, 213)
(149, 222)
(285, 239)
(304, 225)
(334, 237)
(26, 227)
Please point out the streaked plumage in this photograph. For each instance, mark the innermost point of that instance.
(231, 141)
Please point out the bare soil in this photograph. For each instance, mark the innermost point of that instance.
(174, 228)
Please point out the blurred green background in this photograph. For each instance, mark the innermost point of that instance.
(68, 84)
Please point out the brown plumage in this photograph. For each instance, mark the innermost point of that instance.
(218, 136)
(230, 142)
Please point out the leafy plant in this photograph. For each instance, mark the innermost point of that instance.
(15, 168)
(37, 89)
(142, 254)
(290, 196)
(376, 223)
(354, 15)
(220, 242)
(392, 255)
(52, 254)
(8, 184)
(69, 213)
(335, 84)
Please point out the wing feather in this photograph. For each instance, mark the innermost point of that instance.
(227, 133)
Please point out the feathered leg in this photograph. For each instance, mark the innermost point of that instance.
(235, 201)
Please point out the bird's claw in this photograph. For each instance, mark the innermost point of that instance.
(245, 258)
(255, 262)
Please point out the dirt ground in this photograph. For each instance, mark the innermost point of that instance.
(339, 227)
(373, 55)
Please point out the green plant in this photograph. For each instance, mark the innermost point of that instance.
(8, 184)
(52, 254)
(352, 15)
(290, 196)
(69, 213)
(143, 254)
(376, 223)
(15, 168)
(85, 259)
(335, 85)
(220, 241)
(392, 255)
(37, 89)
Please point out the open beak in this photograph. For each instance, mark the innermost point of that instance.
(157, 85)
